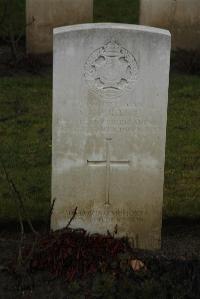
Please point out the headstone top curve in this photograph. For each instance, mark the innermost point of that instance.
(120, 26)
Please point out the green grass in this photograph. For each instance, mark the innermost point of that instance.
(120, 11)
(182, 175)
(26, 145)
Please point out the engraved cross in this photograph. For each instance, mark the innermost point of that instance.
(108, 163)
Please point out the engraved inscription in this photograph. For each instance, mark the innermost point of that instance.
(111, 125)
(111, 70)
(112, 215)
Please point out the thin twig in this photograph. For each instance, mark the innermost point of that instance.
(30, 255)
(50, 212)
(72, 218)
(18, 196)
(18, 208)
(20, 259)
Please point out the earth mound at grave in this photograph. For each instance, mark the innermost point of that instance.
(74, 254)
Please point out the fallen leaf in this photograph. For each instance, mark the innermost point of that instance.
(137, 265)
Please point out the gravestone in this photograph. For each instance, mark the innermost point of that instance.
(110, 95)
(180, 17)
(43, 15)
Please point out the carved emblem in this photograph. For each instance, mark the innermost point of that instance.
(111, 70)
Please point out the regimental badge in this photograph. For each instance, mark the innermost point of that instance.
(111, 71)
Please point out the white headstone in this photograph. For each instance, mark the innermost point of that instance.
(43, 15)
(180, 17)
(110, 95)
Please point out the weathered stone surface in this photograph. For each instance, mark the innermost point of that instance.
(44, 15)
(180, 17)
(109, 123)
